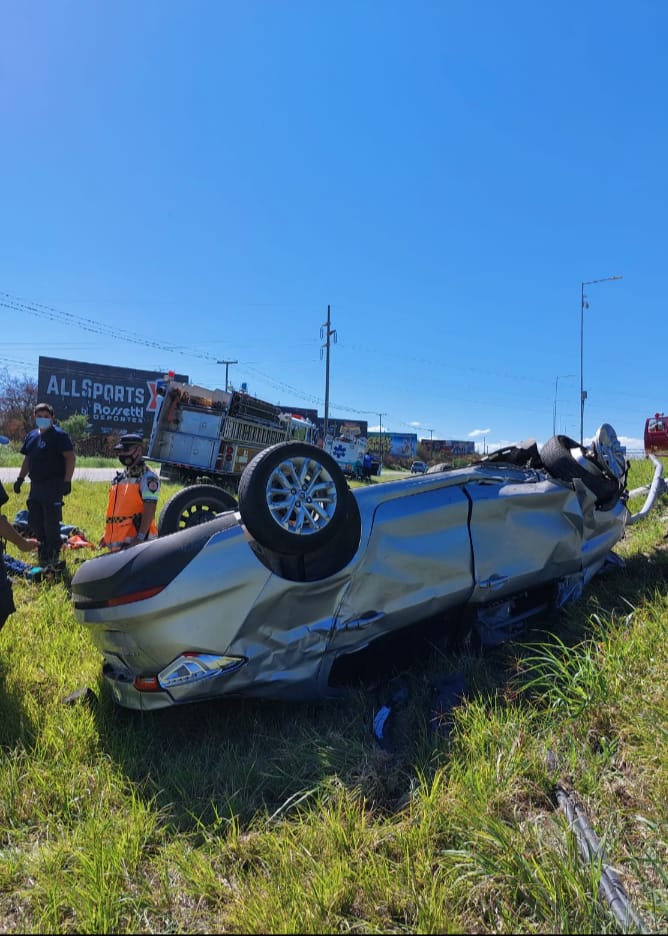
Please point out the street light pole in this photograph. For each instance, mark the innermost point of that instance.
(584, 304)
(227, 368)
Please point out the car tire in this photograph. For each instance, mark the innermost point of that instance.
(557, 457)
(320, 563)
(194, 505)
(293, 498)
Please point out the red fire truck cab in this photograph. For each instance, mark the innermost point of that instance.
(656, 435)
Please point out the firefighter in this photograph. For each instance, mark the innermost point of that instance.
(133, 498)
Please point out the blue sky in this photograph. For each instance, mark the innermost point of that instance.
(206, 177)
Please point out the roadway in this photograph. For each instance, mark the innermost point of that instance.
(9, 475)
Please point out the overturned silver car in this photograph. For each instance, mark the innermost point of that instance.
(268, 600)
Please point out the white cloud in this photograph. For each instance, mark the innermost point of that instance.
(479, 432)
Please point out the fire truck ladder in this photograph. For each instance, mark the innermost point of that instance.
(241, 431)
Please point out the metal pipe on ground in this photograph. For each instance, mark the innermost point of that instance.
(610, 887)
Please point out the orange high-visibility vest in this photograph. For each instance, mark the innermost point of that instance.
(124, 512)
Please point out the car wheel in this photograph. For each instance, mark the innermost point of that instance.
(292, 498)
(564, 459)
(609, 453)
(319, 563)
(192, 506)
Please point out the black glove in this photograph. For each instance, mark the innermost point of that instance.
(17, 485)
(67, 488)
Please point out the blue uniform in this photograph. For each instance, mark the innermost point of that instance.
(46, 467)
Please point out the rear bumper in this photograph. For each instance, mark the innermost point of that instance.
(121, 684)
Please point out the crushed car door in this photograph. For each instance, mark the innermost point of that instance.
(417, 563)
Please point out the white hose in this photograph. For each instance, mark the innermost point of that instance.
(658, 486)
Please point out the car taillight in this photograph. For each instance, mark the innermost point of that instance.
(147, 684)
(133, 596)
(193, 667)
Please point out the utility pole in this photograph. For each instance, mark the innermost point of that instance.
(328, 335)
(380, 433)
(227, 368)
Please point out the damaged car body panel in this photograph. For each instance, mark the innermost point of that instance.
(527, 535)
(265, 600)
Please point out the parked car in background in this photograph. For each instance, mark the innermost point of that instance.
(273, 599)
(418, 467)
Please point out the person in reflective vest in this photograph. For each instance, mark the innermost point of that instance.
(133, 498)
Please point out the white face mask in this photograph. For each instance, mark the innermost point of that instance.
(42, 422)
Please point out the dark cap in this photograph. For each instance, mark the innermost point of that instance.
(128, 441)
(44, 406)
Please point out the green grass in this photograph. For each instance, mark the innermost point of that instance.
(251, 817)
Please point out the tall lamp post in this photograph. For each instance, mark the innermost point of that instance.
(585, 305)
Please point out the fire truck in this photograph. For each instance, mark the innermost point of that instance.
(202, 435)
(656, 435)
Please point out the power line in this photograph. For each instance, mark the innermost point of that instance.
(50, 313)
(97, 328)
(6, 360)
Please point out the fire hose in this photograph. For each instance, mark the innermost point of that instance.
(610, 887)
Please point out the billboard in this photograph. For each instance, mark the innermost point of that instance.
(336, 426)
(114, 399)
(445, 447)
(396, 444)
(350, 428)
